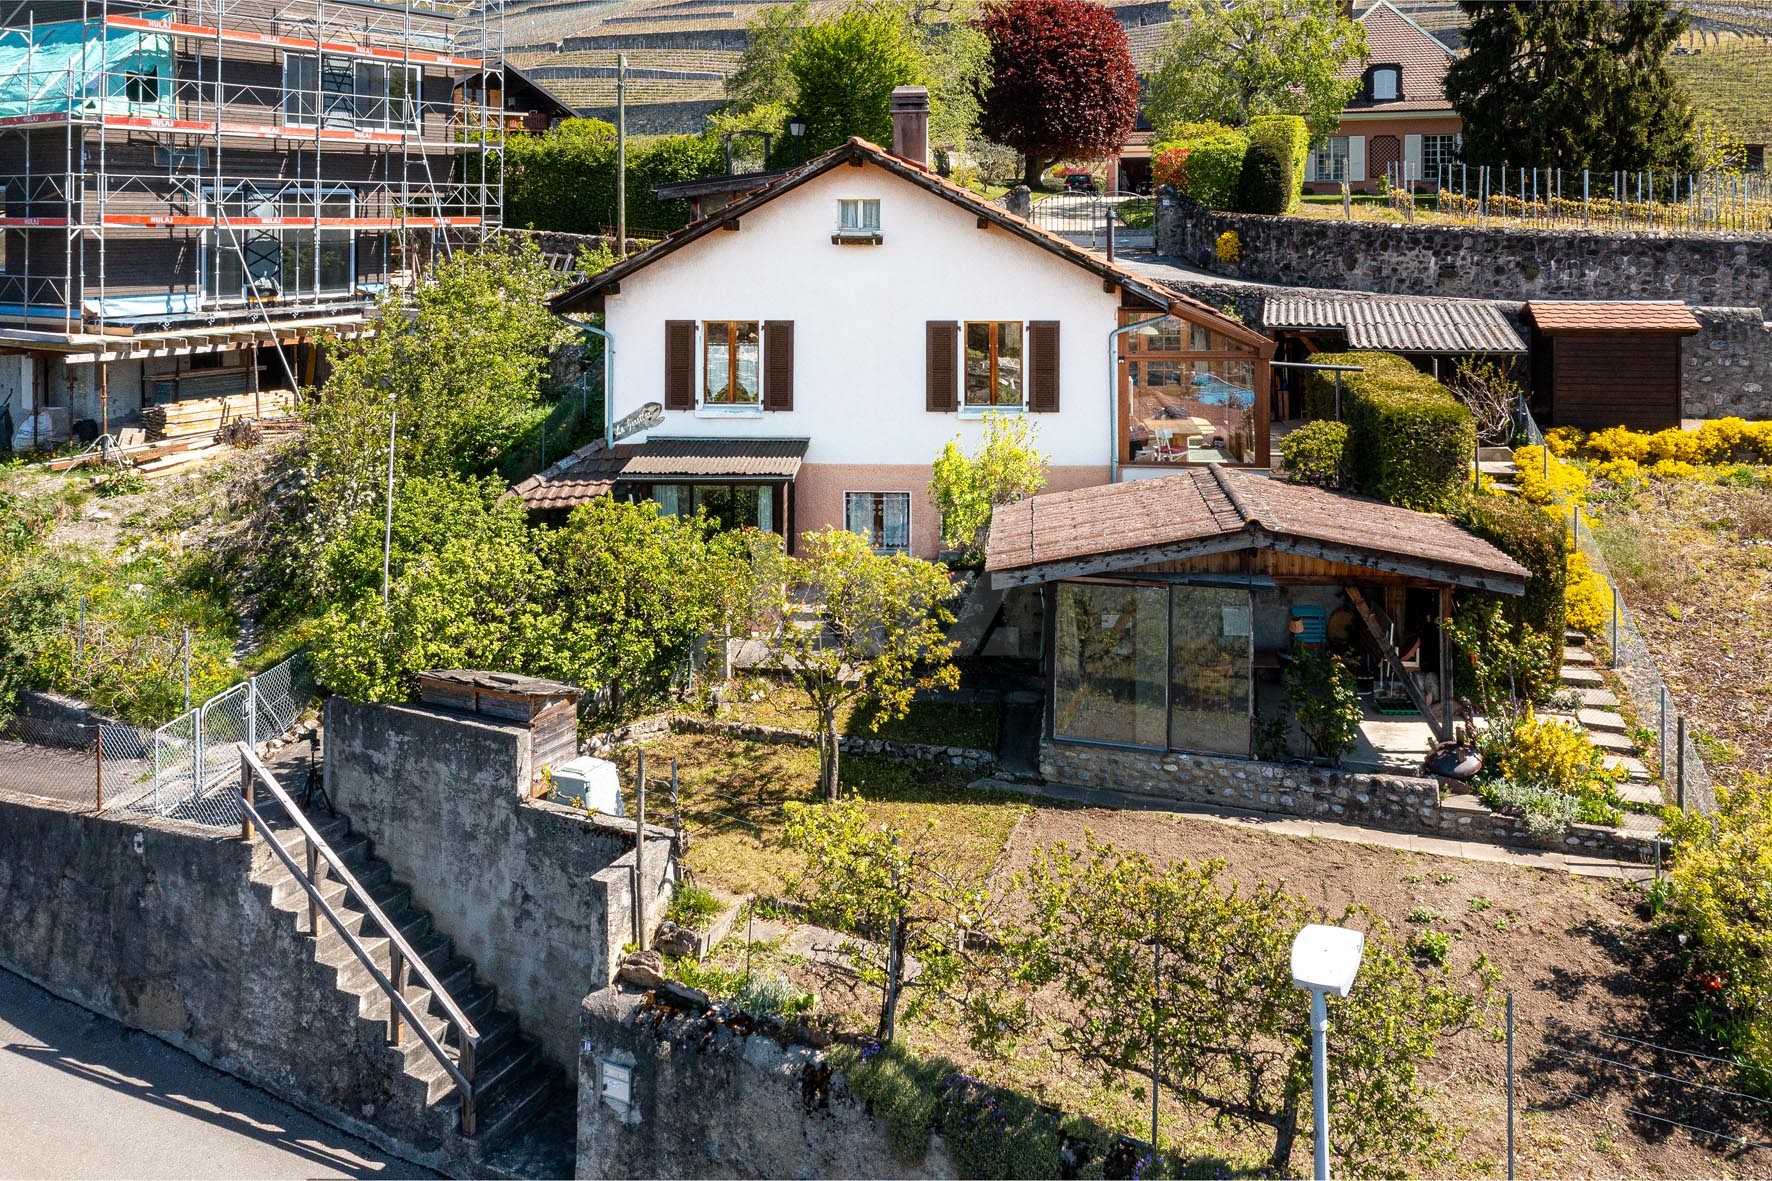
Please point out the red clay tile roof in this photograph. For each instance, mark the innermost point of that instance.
(586, 294)
(586, 474)
(1618, 315)
(1120, 523)
(1392, 39)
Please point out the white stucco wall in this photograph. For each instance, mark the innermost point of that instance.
(859, 317)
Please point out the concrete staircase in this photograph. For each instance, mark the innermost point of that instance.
(526, 1122)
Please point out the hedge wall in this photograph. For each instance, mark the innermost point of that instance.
(1410, 441)
(1265, 185)
(1214, 161)
(565, 179)
(1290, 138)
(1536, 540)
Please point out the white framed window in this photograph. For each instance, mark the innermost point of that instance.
(1437, 152)
(1386, 84)
(858, 216)
(364, 95)
(278, 262)
(884, 518)
(1330, 162)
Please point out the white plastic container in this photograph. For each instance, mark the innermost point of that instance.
(593, 783)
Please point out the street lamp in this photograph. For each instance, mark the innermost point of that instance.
(797, 126)
(1324, 960)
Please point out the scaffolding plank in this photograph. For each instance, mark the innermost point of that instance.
(248, 37)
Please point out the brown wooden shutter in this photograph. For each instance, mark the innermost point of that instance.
(1043, 366)
(679, 365)
(943, 368)
(778, 365)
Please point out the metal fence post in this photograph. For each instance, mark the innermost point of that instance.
(1680, 765)
(196, 758)
(1510, 1087)
(98, 760)
(1615, 627)
(246, 793)
(1661, 735)
(252, 708)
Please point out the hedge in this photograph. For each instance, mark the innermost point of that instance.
(564, 179)
(1290, 137)
(1314, 453)
(1410, 441)
(1538, 541)
(1265, 185)
(1214, 161)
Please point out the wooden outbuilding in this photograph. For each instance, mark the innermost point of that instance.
(1602, 363)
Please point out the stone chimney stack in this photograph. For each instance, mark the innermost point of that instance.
(910, 125)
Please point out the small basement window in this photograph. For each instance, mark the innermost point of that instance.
(858, 219)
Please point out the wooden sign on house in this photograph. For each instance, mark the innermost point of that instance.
(547, 709)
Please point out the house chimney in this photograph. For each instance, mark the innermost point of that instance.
(910, 125)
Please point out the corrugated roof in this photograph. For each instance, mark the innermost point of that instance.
(1611, 315)
(1392, 39)
(706, 459)
(1399, 325)
(1121, 523)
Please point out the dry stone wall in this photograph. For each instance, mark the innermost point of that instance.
(1727, 368)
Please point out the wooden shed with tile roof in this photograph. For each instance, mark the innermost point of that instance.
(1601, 363)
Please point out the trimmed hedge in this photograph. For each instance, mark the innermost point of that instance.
(1536, 540)
(1214, 161)
(1315, 453)
(1265, 184)
(1410, 441)
(1290, 138)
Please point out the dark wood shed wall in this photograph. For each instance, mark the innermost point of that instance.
(1601, 379)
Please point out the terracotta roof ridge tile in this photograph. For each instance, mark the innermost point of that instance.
(1251, 506)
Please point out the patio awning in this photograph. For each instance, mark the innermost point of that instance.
(1398, 325)
(594, 470)
(1221, 510)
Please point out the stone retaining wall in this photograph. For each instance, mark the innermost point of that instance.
(1399, 803)
(1727, 368)
(976, 762)
(1480, 262)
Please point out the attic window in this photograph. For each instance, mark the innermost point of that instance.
(142, 86)
(858, 220)
(1385, 84)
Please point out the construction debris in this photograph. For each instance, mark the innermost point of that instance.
(206, 416)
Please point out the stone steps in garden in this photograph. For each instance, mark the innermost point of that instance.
(1641, 793)
(1577, 656)
(1598, 699)
(1618, 744)
(1582, 678)
(1602, 720)
(1632, 766)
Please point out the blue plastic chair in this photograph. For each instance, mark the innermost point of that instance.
(1316, 624)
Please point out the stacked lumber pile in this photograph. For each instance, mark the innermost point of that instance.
(205, 416)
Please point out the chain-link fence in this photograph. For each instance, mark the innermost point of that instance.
(70, 759)
(191, 765)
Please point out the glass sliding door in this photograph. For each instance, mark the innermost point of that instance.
(1209, 638)
(1111, 663)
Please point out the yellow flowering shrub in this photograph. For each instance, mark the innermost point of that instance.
(1673, 469)
(1566, 483)
(1617, 442)
(1229, 247)
(1547, 754)
(1564, 441)
(1587, 597)
(1617, 471)
(1676, 445)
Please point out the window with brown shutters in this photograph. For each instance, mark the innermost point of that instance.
(679, 379)
(778, 365)
(1043, 366)
(942, 353)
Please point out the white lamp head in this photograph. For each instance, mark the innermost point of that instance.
(1326, 959)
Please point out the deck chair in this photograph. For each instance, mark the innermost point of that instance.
(1315, 621)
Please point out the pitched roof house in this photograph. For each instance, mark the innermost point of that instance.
(1399, 124)
(799, 357)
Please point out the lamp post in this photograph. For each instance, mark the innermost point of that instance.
(797, 130)
(1324, 959)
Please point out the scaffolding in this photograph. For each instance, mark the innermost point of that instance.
(266, 166)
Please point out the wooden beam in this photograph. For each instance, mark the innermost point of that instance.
(1126, 563)
(984, 223)
(730, 225)
(1446, 655)
(1379, 625)
(1392, 563)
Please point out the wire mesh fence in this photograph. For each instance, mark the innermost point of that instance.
(1728, 201)
(187, 769)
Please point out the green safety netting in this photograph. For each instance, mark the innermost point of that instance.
(81, 67)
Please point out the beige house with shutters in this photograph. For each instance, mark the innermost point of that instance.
(1399, 126)
(798, 358)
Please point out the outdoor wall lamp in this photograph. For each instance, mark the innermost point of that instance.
(1324, 960)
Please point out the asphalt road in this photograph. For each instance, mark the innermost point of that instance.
(82, 1096)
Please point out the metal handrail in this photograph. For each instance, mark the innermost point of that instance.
(400, 953)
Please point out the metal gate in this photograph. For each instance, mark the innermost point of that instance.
(1087, 219)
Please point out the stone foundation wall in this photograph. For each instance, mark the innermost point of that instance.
(977, 762)
(1399, 803)
(1480, 262)
(1727, 368)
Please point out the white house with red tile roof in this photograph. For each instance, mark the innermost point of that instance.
(799, 357)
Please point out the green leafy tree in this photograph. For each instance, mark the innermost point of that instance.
(1321, 694)
(631, 598)
(762, 77)
(845, 69)
(869, 631)
(1576, 84)
(907, 895)
(460, 360)
(1231, 62)
(968, 488)
(1174, 957)
(1506, 662)
(744, 576)
(469, 591)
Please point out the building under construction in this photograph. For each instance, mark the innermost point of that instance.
(197, 191)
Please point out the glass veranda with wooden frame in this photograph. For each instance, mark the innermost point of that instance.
(1190, 394)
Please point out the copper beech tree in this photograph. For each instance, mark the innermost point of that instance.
(1061, 83)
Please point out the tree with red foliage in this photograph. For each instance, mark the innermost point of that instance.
(1062, 83)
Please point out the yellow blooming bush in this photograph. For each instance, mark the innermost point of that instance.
(1617, 471)
(1587, 597)
(1717, 441)
(1229, 247)
(1673, 469)
(1565, 484)
(1564, 441)
(1546, 754)
(1616, 442)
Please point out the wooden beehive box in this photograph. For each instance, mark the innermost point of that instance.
(548, 709)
